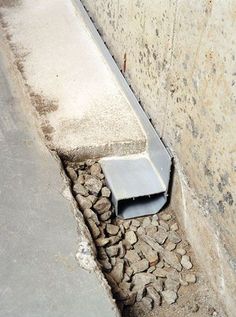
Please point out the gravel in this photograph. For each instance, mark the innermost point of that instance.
(141, 258)
(131, 237)
(169, 296)
(185, 261)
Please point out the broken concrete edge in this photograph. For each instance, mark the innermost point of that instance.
(85, 253)
(86, 250)
(81, 154)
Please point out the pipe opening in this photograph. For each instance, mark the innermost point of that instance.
(128, 208)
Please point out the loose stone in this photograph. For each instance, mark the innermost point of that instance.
(90, 214)
(130, 299)
(170, 246)
(121, 250)
(90, 162)
(174, 237)
(155, 223)
(174, 227)
(95, 169)
(151, 269)
(181, 251)
(106, 264)
(140, 231)
(185, 261)
(160, 264)
(172, 259)
(135, 223)
(169, 296)
(80, 189)
(127, 245)
(117, 272)
(105, 216)
(140, 266)
(158, 284)
(83, 202)
(112, 250)
(113, 261)
(160, 272)
(129, 271)
(151, 230)
(153, 244)
(172, 285)
(114, 239)
(71, 173)
(93, 228)
(166, 217)
(102, 205)
(132, 256)
(112, 229)
(131, 237)
(127, 224)
(133, 228)
(160, 236)
(92, 198)
(191, 278)
(101, 242)
(148, 252)
(164, 225)
(143, 279)
(102, 253)
(80, 179)
(153, 293)
(146, 222)
(106, 192)
(148, 303)
(93, 184)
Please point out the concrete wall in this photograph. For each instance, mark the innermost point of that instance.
(179, 57)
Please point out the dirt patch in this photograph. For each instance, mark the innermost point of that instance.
(47, 130)
(42, 104)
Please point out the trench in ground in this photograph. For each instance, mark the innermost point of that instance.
(146, 261)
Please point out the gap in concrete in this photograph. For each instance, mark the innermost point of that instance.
(146, 261)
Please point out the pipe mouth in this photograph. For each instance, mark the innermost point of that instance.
(140, 206)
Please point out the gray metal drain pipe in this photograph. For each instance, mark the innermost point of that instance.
(139, 183)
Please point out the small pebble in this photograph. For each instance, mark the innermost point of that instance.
(174, 227)
(112, 250)
(135, 223)
(166, 217)
(95, 169)
(140, 266)
(190, 278)
(181, 251)
(84, 202)
(146, 222)
(131, 237)
(169, 296)
(106, 192)
(112, 229)
(186, 263)
(170, 246)
(102, 205)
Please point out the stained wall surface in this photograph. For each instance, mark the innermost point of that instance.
(179, 57)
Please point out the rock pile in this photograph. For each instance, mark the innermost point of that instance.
(144, 260)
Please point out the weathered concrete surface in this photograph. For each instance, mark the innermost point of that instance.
(38, 238)
(179, 57)
(83, 111)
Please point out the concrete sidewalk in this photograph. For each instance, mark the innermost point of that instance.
(81, 107)
(39, 276)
